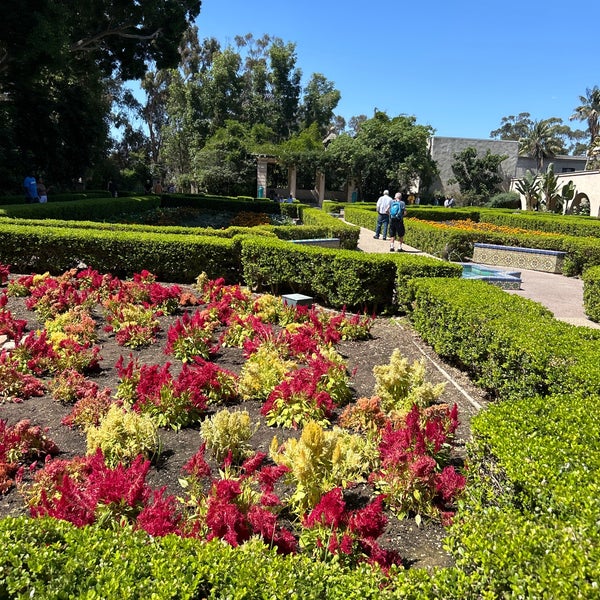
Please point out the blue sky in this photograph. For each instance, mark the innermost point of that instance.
(459, 66)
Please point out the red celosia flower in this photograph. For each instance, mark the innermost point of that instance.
(251, 464)
(268, 475)
(370, 521)
(423, 466)
(329, 511)
(448, 483)
(197, 465)
(160, 516)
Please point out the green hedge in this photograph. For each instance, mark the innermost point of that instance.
(58, 197)
(43, 558)
(176, 258)
(529, 520)
(210, 202)
(528, 524)
(457, 245)
(93, 208)
(338, 278)
(572, 225)
(591, 293)
(508, 344)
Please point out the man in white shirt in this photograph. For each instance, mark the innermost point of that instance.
(383, 214)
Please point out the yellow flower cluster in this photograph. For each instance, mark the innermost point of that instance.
(469, 225)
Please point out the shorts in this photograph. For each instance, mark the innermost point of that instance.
(396, 228)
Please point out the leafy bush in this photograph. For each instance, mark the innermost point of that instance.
(505, 200)
(122, 436)
(228, 432)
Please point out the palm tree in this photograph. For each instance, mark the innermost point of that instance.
(541, 142)
(589, 111)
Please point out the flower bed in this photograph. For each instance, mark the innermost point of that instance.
(288, 367)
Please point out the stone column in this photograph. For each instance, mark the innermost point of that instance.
(320, 187)
(351, 190)
(292, 173)
(261, 175)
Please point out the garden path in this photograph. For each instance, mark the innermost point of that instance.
(562, 295)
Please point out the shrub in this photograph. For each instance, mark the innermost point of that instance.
(122, 436)
(228, 433)
(505, 200)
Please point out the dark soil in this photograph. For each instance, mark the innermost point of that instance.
(419, 546)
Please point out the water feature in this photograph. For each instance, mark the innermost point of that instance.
(508, 280)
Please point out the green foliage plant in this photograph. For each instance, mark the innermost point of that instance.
(228, 432)
(401, 385)
(122, 436)
(262, 372)
(319, 461)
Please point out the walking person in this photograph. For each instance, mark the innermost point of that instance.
(397, 214)
(383, 214)
(112, 188)
(42, 191)
(30, 187)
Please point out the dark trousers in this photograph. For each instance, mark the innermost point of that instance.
(382, 221)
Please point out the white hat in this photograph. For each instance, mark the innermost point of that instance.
(386, 192)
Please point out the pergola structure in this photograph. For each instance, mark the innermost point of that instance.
(262, 165)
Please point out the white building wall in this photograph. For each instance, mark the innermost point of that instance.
(587, 182)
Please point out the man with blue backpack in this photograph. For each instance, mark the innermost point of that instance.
(397, 214)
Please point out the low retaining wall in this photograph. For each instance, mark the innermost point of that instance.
(549, 261)
(324, 242)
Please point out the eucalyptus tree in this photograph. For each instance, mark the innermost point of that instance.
(319, 101)
(519, 128)
(542, 141)
(513, 127)
(284, 80)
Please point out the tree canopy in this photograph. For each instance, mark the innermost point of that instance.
(478, 177)
(58, 61)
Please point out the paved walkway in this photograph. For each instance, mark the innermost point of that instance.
(562, 295)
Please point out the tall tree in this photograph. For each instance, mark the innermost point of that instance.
(385, 153)
(513, 127)
(478, 177)
(285, 88)
(589, 111)
(51, 52)
(519, 128)
(541, 142)
(319, 101)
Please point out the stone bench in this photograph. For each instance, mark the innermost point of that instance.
(324, 242)
(534, 259)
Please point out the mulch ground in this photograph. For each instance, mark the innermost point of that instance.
(419, 546)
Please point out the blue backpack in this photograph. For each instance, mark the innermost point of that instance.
(397, 209)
